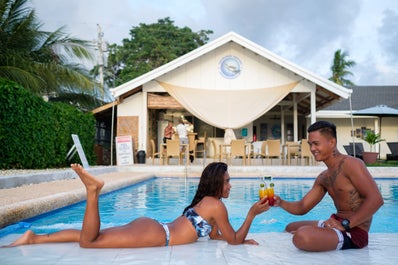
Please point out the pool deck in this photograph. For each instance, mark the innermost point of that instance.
(29, 194)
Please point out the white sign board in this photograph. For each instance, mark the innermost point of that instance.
(80, 151)
(124, 151)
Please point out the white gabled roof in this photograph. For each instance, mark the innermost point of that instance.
(230, 37)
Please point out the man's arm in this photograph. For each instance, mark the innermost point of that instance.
(365, 185)
(309, 201)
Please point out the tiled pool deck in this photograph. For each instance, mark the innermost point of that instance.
(274, 248)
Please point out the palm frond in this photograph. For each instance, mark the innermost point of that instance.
(41, 61)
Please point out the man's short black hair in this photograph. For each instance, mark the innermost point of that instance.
(324, 127)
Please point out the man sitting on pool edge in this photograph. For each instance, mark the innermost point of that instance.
(350, 185)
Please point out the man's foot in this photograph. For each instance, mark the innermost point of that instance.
(25, 239)
(91, 183)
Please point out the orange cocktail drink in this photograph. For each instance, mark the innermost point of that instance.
(270, 194)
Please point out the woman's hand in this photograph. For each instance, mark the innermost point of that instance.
(251, 242)
(260, 206)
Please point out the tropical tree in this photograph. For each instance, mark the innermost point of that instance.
(339, 69)
(150, 46)
(45, 63)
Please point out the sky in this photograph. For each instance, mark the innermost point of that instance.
(305, 32)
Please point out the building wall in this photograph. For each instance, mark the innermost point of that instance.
(389, 132)
(129, 119)
(130, 106)
(203, 72)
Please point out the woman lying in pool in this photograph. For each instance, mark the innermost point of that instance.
(205, 216)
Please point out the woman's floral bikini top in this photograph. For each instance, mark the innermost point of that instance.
(202, 227)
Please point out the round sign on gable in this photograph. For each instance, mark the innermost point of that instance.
(230, 66)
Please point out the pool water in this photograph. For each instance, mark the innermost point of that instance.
(165, 198)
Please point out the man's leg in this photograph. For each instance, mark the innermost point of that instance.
(314, 238)
(292, 227)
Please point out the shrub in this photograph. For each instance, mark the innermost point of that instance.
(37, 134)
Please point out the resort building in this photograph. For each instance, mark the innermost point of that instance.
(228, 85)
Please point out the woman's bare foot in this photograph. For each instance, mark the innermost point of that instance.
(91, 183)
(25, 239)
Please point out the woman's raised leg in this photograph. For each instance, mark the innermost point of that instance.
(91, 220)
(142, 232)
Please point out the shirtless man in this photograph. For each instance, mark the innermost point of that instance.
(352, 188)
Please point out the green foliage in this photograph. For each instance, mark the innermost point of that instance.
(339, 69)
(45, 63)
(372, 138)
(150, 46)
(37, 134)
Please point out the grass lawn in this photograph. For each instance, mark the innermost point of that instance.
(384, 163)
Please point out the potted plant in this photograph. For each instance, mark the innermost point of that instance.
(371, 138)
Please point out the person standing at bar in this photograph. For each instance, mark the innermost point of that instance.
(168, 132)
(182, 131)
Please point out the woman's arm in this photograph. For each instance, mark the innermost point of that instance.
(215, 234)
(224, 227)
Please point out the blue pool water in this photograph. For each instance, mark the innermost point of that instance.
(165, 198)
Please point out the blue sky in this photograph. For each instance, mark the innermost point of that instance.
(306, 32)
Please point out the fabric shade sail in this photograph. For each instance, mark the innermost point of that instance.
(228, 109)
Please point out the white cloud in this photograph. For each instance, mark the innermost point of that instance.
(307, 32)
(388, 35)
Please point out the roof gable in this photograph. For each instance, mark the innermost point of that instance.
(223, 40)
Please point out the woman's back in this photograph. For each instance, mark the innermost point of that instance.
(182, 231)
(184, 226)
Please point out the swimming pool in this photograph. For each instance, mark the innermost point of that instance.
(165, 198)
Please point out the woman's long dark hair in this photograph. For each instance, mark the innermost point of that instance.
(211, 182)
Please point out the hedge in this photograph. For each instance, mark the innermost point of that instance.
(35, 134)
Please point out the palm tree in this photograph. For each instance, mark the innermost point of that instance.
(43, 62)
(339, 69)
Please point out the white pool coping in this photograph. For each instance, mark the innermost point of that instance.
(274, 248)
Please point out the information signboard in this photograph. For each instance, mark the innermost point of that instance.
(124, 150)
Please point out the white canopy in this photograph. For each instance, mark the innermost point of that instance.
(228, 109)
